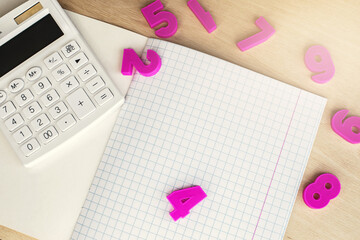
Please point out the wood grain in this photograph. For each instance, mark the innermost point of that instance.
(9, 234)
(299, 24)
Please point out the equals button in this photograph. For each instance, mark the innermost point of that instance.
(104, 96)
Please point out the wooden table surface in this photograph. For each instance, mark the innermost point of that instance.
(299, 24)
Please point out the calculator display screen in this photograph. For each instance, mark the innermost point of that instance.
(27, 43)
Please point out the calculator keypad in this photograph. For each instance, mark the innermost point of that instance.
(64, 89)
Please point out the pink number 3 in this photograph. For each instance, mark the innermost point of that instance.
(154, 16)
(184, 200)
(131, 60)
(345, 127)
(325, 67)
(319, 193)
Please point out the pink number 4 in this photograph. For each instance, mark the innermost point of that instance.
(184, 200)
(155, 15)
(266, 32)
(131, 60)
(346, 128)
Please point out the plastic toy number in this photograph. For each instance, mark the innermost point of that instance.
(266, 32)
(131, 60)
(346, 128)
(318, 194)
(184, 200)
(154, 16)
(324, 66)
(204, 17)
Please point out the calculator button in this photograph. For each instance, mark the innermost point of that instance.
(66, 122)
(7, 109)
(33, 73)
(23, 134)
(87, 72)
(32, 110)
(30, 147)
(24, 97)
(70, 49)
(61, 72)
(2, 96)
(53, 60)
(40, 122)
(48, 135)
(95, 84)
(42, 85)
(80, 103)
(16, 85)
(50, 97)
(79, 60)
(58, 110)
(14, 122)
(69, 84)
(104, 96)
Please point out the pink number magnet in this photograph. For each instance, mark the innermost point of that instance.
(204, 17)
(131, 60)
(155, 15)
(319, 193)
(266, 32)
(184, 200)
(324, 66)
(348, 128)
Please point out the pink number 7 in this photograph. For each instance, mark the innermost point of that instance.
(184, 200)
(131, 60)
(154, 17)
(204, 17)
(266, 32)
(345, 127)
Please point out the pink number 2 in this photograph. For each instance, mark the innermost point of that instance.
(266, 32)
(344, 127)
(325, 67)
(184, 200)
(204, 17)
(154, 16)
(131, 60)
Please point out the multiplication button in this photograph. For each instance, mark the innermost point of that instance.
(69, 84)
(66, 122)
(30, 147)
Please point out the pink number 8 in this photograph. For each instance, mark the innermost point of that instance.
(318, 194)
(154, 16)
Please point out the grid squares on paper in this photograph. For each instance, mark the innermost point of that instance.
(243, 137)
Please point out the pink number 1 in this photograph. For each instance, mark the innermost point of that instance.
(344, 127)
(154, 16)
(184, 200)
(266, 32)
(131, 60)
(204, 17)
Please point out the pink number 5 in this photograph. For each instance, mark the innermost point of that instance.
(325, 67)
(344, 127)
(184, 200)
(154, 17)
(266, 32)
(131, 60)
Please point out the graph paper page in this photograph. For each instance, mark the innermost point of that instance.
(243, 137)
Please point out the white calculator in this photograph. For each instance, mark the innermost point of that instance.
(51, 84)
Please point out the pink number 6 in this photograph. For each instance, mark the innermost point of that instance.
(345, 127)
(154, 17)
(325, 67)
(131, 60)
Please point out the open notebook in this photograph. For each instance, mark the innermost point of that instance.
(243, 137)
